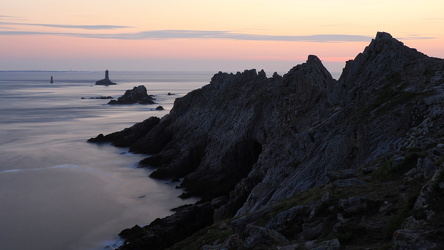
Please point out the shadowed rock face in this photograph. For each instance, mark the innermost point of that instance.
(257, 140)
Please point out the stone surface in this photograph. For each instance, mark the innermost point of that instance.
(259, 236)
(413, 239)
(162, 233)
(128, 136)
(136, 95)
(325, 245)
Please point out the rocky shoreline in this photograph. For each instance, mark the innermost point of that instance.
(303, 160)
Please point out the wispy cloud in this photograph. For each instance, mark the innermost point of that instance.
(416, 37)
(67, 26)
(202, 34)
(11, 17)
(207, 34)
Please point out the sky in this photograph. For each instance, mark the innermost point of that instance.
(207, 35)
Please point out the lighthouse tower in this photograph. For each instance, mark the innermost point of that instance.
(105, 81)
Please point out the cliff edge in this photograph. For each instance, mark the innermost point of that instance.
(247, 144)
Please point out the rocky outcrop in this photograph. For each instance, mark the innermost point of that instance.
(253, 142)
(98, 97)
(128, 136)
(162, 233)
(105, 82)
(136, 95)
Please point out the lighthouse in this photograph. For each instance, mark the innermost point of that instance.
(105, 81)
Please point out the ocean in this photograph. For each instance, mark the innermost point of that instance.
(56, 190)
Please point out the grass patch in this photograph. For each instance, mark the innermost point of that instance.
(300, 199)
(397, 219)
(389, 171)
(387, 99)
(398, 98)
(383, 172)
(351, 233)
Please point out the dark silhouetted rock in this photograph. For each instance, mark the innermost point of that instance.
(136, 95)
(162, 233)
(106, 81)
(98, 97)
(159, 108)
(128, 136)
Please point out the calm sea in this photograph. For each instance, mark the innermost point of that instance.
(56, 190)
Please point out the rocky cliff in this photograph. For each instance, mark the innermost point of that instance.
(247, 144)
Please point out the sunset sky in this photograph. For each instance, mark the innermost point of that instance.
(209, 35)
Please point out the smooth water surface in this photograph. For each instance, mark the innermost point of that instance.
(56, 190)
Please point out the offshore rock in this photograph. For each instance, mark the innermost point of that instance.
(136, 95)
(98, 97)
(105, 82)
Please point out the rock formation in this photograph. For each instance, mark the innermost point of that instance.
(106, 81)
(98, 97)
(136, 95)
(303, 160)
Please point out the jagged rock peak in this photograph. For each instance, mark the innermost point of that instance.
(313, 64)
(312, 59)
(384, 40)
(310, 74)
(383, 35)
(382, 56)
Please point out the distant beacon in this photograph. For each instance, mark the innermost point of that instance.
(105, 81)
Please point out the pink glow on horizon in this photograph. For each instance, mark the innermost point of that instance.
(65, 47)
(34, 52)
